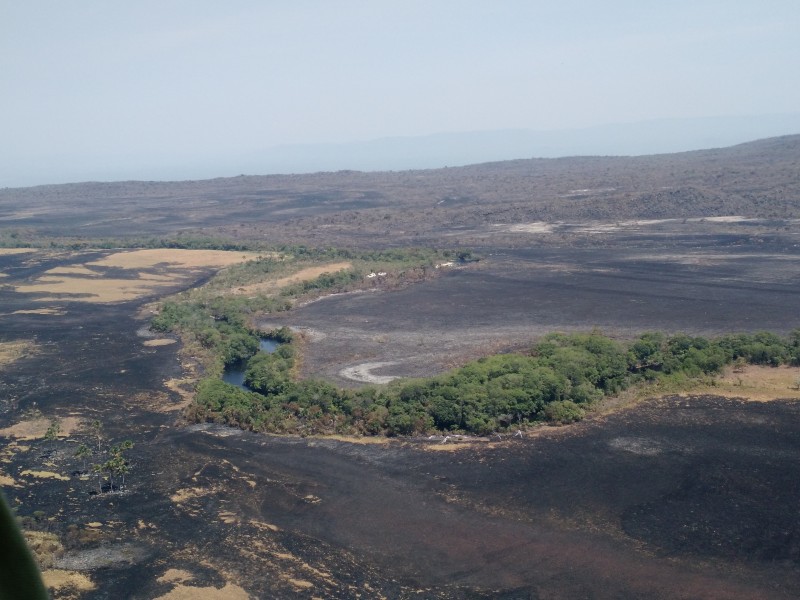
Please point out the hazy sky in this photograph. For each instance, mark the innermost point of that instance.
(172, 82)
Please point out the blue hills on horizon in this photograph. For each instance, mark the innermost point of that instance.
(663, 136)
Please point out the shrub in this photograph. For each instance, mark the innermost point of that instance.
(562, 412)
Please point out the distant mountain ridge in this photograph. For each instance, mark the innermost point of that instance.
(463, 148)
(403, 153)
(759, 179)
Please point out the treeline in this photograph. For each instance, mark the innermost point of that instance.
(556, 381)
(22, 238)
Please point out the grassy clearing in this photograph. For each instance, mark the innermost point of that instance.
(753, 382)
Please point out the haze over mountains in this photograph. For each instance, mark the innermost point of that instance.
(457, 205)
(401, 153)
(464, 148)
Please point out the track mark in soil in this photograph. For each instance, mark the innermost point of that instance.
(363, 372)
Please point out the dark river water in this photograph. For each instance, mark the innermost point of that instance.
(234, 373)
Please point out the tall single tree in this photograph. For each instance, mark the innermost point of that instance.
(81, 453)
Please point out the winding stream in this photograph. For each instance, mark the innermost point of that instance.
(234, 374)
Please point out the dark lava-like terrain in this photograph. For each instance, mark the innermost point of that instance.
(677, 497)
(674, 497)
(517, 295)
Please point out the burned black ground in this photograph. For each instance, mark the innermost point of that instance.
(678, 497)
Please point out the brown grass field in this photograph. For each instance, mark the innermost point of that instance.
(148, 272)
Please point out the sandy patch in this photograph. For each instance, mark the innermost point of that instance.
(184, 259)
(6, 251)
(89, 290)
(534, 227)
(363, 373)
(6, 481)
(34, 429)
(159, 342)
(60, 580)
(12, 351)
(184, 592)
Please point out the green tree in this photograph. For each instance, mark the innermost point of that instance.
(52, 432)
(97, 431)
(81, 453)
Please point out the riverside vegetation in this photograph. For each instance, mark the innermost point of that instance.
(556, 381)
(214, 319)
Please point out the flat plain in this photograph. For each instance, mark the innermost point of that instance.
(676, 496)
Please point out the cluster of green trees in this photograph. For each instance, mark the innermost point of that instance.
(556, 381)
(28, 238)
(107, 463)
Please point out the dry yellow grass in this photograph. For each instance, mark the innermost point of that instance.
(184, 259)
(60, 581)
(231, 591)
(74, 270)
(306, 274)
(755, 382)
(102, 290)
(6, 251)
(12, 351)
(352, 439)
(40, 311)
(186, 494)
(182, 387)
(85, 282)
(175, 576)
(44, 475)
(35, 429)
(46, 547)
(159, 342)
